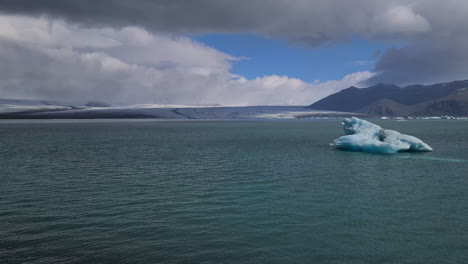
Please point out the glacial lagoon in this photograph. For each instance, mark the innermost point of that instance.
(229, 192)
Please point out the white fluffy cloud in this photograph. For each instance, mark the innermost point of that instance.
(58, 60)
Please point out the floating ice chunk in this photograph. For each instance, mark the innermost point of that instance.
(362, 135)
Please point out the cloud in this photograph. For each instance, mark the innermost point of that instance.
(426, 29)
(439, 55)
(400, 20)
(436, 61)
(278, 90)
(309, 22)
(65, 61)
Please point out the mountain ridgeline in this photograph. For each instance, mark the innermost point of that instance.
(391, 100)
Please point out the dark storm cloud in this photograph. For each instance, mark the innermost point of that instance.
(159, 15)
(439, 55)
(303, 21)
(424, 63)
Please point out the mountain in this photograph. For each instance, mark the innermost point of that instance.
(391, 100)
(455, 104)
(385, 107)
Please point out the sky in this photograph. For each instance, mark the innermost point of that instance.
(245, 52)
(267, 56)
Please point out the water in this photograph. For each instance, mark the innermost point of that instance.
(228, 192)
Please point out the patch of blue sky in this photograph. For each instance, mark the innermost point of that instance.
(266, 56)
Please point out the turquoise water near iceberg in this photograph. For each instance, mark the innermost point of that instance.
(228, 192)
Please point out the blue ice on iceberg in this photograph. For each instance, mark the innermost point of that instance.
(362, 135)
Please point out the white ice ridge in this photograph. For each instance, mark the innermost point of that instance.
(362, 135)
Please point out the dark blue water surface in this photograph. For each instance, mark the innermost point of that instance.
(228, 192)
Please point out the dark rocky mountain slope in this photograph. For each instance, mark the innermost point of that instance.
(391, 100)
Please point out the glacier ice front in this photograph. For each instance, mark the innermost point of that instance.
(362, 135)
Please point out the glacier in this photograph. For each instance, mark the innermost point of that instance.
(46, 109)
(362, 135)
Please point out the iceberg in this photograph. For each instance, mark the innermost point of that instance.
(362, 135)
